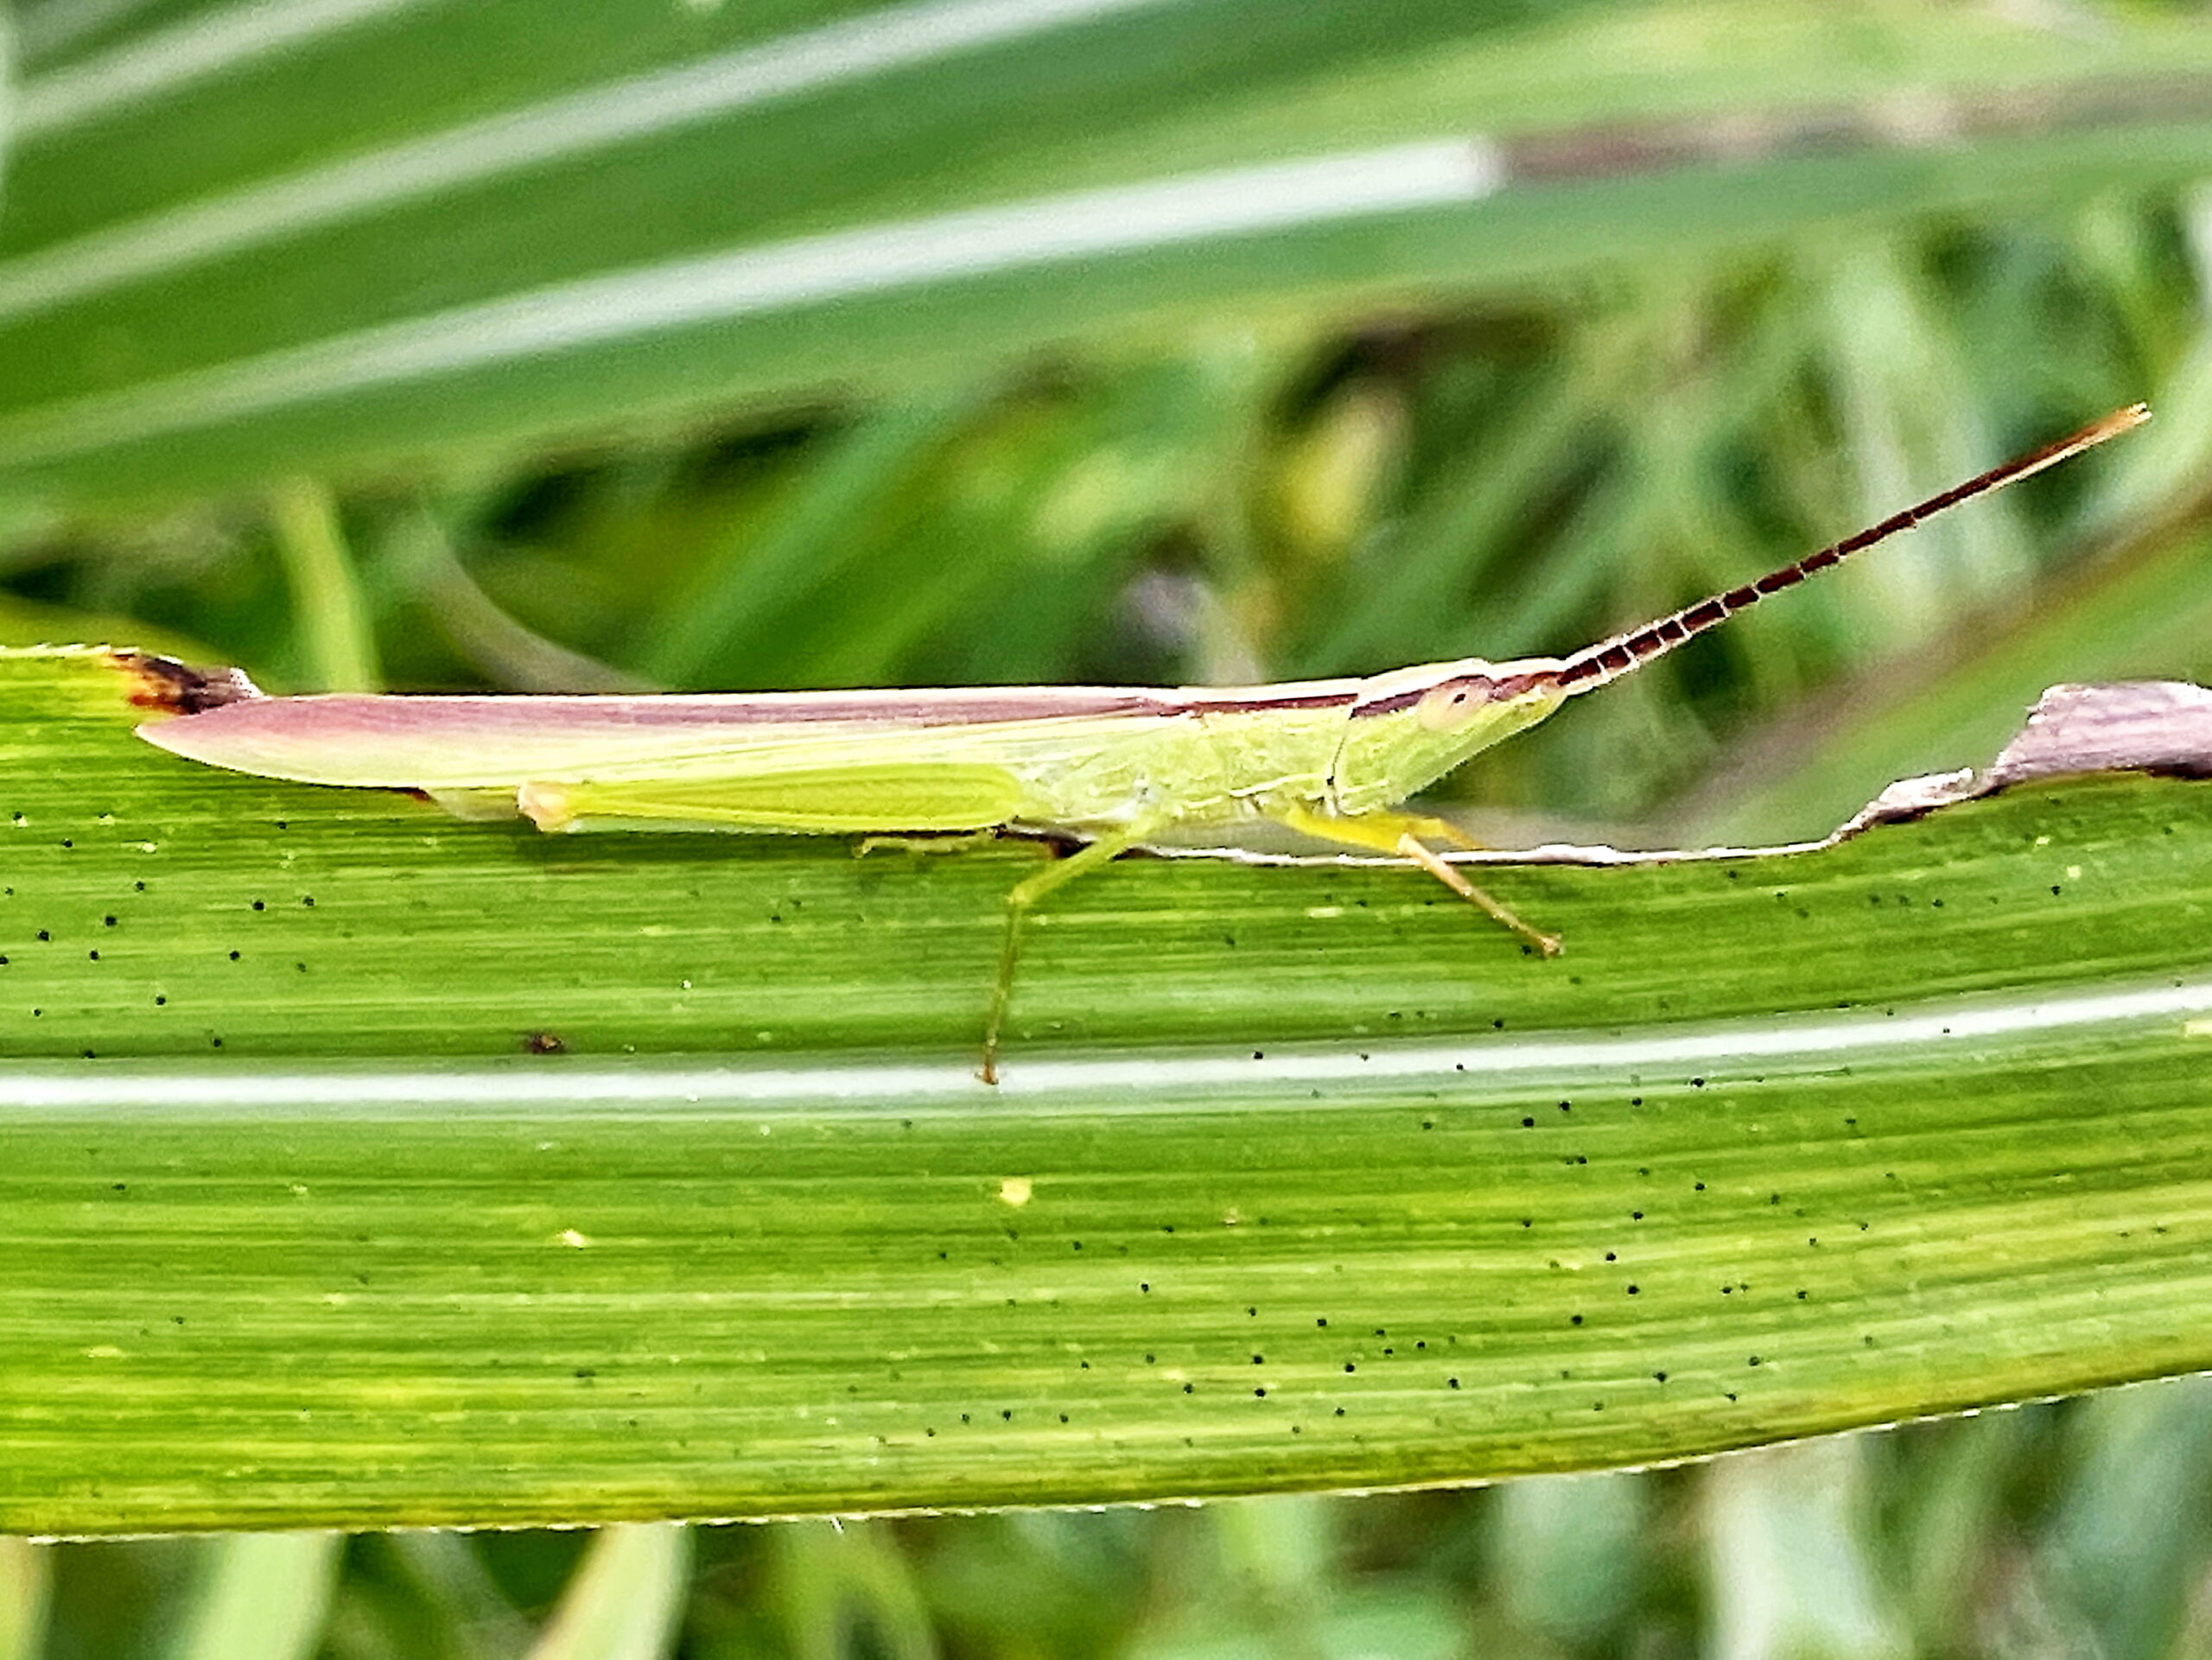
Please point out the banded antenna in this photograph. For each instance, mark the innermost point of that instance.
(1594, 666)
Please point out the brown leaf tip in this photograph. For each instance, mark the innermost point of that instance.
(2145, 726)
(2162, 727)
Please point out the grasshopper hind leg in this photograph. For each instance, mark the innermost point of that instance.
(1060, 845)
(919, 846)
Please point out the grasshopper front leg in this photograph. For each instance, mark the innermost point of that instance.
(1407, 835)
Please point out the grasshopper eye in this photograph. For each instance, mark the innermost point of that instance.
(1453, 702)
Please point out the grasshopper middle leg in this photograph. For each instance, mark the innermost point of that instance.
(1022, 899)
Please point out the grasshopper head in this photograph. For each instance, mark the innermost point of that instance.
(1455, 704)
(1410, 728)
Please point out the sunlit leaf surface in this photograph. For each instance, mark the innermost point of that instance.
(1299, 1178)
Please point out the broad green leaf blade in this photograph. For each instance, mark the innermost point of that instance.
(509, 227)
(1787, 1144)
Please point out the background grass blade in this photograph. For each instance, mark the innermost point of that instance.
(605, 253)
(1442, 1213)
(625, 1599)
(262, 1595)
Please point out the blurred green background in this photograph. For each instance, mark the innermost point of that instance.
(498, 343)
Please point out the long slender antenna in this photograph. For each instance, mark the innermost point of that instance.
(1609, 659)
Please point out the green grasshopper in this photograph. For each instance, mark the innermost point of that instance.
(1115, 766)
